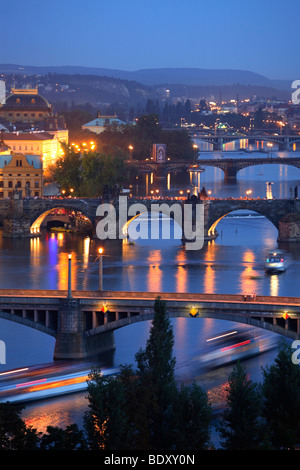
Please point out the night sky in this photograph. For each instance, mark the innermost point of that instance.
(259, 35)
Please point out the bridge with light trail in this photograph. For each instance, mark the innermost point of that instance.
(84, 322)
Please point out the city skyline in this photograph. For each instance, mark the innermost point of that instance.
(131, 36)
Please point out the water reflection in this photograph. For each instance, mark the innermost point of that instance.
(209, 274)
(155, 274)
(274, 285)
(248, 279)
(181, 276)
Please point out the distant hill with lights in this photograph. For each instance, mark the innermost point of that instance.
(159, 76)
(100, 87)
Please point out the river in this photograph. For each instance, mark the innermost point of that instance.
(233, 263)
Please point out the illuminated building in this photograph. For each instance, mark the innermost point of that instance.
(25, 105)
(21, 174)
(30, 126)
(45, 144)
(99, 124)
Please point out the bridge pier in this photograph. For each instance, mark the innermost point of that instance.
(230, 174)
(289, 228)
(72, 342)
(16, 224)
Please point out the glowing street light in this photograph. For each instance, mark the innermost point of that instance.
(100, 269)
(130, 151)
(195, 147)
(69, 276)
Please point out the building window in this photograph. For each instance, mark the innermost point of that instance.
(1, 194)
(19, 184)
(36, 184)
(1, 184)
(28, 184)
(21, 162)
(36, 193)
(10, 184)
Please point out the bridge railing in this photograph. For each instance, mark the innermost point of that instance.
(171, 296)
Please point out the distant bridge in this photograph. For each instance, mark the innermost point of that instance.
(284, 142)
(84, 324)
(231, 166)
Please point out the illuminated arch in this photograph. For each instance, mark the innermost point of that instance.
(35, 227)
(212, 229)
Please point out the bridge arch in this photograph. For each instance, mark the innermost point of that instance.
(37, 221)
(278, 326)
(164, 212)
(41, 325)
(213, 222)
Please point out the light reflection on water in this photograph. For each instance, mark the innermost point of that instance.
(233, 263)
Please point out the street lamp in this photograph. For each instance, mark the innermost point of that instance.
(270, 147)
(100, 270)
(195, 147)
(130, 152)
(69, 276)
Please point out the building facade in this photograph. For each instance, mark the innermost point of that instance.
(45, 144)
(25, 106)
(99, 124)
(22, 174)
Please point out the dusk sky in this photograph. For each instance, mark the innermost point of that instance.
(259, 35)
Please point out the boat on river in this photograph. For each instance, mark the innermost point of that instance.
(38, 383)
(275, 262)
(233, 345)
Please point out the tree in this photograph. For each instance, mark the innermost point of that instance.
(143, 409)
(156, 366)
(192, 415)
(67, 172)
(281, 406)
(241, 427)
(14, 434)
(57, 438)
(107, 420)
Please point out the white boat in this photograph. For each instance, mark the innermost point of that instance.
(275, 261)
(230, 346)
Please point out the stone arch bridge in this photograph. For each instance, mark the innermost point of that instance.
(23, 218)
